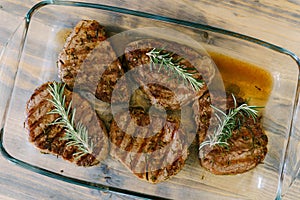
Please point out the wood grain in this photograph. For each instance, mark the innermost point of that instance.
(275, 21)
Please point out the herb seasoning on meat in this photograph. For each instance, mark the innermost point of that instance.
(231, 138)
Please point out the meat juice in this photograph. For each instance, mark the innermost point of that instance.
(244, 79)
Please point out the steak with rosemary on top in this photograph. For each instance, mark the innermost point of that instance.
(88, 61)
(49, 137)
(247, 146)
(164, 86)
(156, 148)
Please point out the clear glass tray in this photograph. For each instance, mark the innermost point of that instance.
(30, 60)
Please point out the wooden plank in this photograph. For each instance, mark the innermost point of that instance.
(275, 21)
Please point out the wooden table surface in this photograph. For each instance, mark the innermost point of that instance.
(276, 21)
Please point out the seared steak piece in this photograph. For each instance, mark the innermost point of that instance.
(152, 151)
(85, 36)
(204, 112)
(156, 151)
(247, 146)
(48, 138)
(158, 84)
(88, 62)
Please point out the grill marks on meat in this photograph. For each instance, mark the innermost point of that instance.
(88, 62)
(247, 146)
(100, 72)
(157, 84)
(156, 149)
(151, 156)
(158, 155)
(85, 37)
(48, 138)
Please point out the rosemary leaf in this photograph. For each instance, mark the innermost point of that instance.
(75, 135)
(227, 123)
(167, 61)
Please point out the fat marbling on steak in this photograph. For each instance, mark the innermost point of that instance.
(48, 137)
(88, 61)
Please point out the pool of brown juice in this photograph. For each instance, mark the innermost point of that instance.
(244, 79)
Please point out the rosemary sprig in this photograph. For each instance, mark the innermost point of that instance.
(157, 56)
(75, 135)
(229, 122)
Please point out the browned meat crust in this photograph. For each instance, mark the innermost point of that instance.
(48, 138)
(157, 84)
(88, 62)
(247, 146)
(153, 157)
(85, 37)
(156, 157)
(203, 110)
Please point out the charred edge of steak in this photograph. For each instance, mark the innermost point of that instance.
(157, 176)
(48, 138)
(247, 146)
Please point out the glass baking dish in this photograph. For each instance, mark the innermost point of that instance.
(30, 60)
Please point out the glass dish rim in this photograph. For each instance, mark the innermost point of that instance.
(156, 17)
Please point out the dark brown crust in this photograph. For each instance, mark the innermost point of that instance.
(48, 138)
(128, 147)
(166, 150)
(247, 146)
(84, 38)
(176, 93)
(102, 70)
(88, 62)
(203, 110)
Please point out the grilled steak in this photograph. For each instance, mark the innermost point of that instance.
(158, 84)
(247, 146)
(48, 138)
(152, 140)
(156, 151)
(88, 62)
(152, 151)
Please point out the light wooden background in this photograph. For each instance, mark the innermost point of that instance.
(276, 21)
